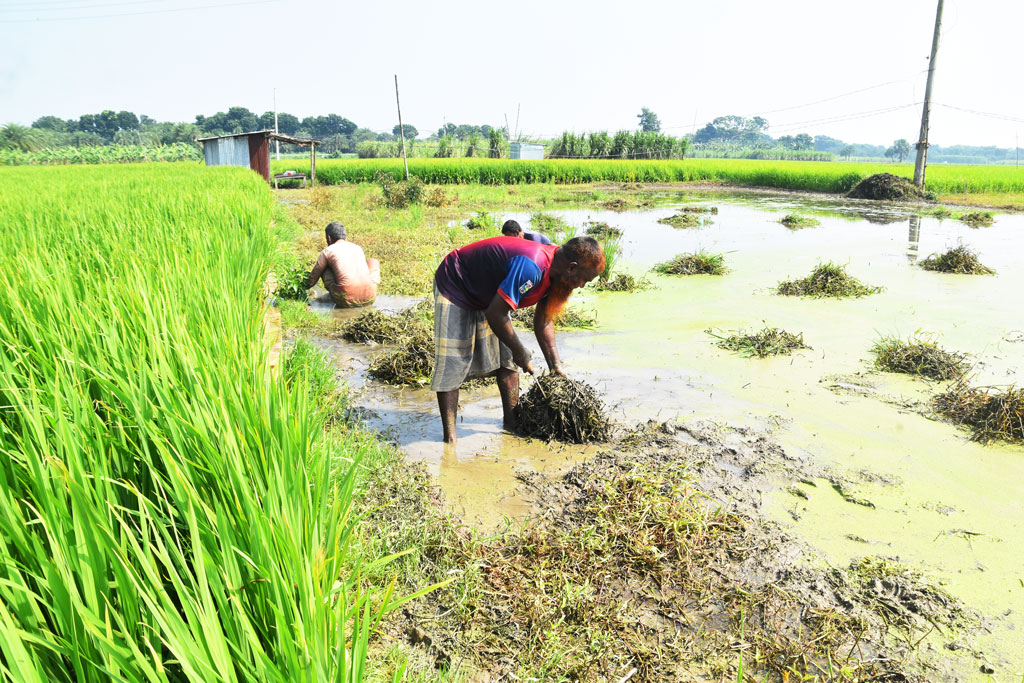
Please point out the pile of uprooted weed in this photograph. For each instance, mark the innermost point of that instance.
(960, 260)
(886, 187)
(629, 572)
(695, 263)
(827, 280)
(626, 203)
(989, 414)
(569, 318)
(623, 282)
(685, 220)
(557, 407)
(795, 221)
(977, 219)
(382, 328)
(410, 364)
(713, 210)
(547, 222)
(771, 341)
(918, 355)
(600, 230)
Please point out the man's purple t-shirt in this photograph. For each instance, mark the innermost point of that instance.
(536, 237)
(514, 268)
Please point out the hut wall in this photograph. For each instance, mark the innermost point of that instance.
(227, 151)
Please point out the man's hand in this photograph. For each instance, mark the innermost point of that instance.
(557, 370)
(522, 359)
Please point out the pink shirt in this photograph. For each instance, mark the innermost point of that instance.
(347, 263)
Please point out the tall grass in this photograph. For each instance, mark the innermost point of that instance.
(791, 175)
(168, 508)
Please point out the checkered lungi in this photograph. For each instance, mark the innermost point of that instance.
(465, 346)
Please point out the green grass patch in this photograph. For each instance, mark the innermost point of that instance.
(918, 355)
(827, 280)
(770, 341)
(696, 263)
(959, 259)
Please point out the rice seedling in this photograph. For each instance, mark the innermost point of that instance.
(959, 260)
(600, 230)
(770, 341)
(977, 219)
(795, 221)
(170, 509)
(989, 414)
(827, 280)
(547, 222)
(610, 245)
(696, 263)
(832, 176)
(557, 407)
(685, 220)
(918, 355)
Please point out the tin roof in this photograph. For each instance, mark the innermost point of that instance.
(267, 133)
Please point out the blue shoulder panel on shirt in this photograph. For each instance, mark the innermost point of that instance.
(521, 277)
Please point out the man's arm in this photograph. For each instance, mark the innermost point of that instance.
(318, 270)
(544, 328)
(497, 317)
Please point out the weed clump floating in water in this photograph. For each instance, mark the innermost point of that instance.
(569, 318)
(696, 263)
(623, 282)
(561, 408)
(685, 220)
(547, 222)
(827, 280)
(381, 328)
(771, 341)
(482, 221)
(713, 210)
(960, 260)
(977, 219)
(989, 414)
(795, 221)
(918, 356)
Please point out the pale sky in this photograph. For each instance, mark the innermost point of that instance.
(569, 65)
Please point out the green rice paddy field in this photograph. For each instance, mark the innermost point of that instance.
(169, 508)
(816, 176)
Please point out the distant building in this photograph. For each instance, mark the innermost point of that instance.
(526, 150)
(252, 150)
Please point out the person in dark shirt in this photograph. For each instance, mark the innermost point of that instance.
(513, 229)
(476, 287)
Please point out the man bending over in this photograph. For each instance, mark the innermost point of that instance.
(349, 277)
(476, 287)
(513, 229)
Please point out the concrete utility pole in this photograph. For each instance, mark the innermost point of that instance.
(401, 128)
(277, 143)
(922, 143)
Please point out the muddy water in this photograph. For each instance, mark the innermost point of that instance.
(941, 502)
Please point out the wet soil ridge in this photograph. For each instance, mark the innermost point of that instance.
(918, 355)
(959, 260)
(887, 187)
(990, 414)
(631, 566)
(770, 341)
(558, 407)
(827, 280)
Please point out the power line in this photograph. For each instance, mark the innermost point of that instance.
(135, 14)
(88, 6)
(1002, 117)
(795, 125)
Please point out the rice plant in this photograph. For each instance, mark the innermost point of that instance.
(611, 247)
(168, 507)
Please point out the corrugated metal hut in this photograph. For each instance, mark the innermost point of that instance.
(526, 150)
(252, 150)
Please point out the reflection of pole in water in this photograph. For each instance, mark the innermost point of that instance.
(914, 239)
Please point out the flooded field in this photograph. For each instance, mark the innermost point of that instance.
(898, 483)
